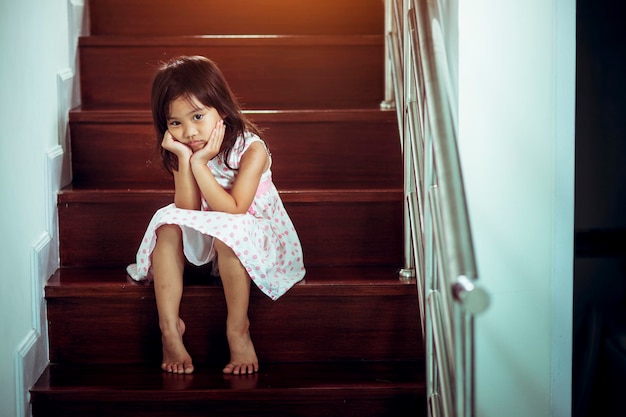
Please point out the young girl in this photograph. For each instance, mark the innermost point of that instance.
(226, 210)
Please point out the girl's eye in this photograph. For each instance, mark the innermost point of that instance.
(174, 123)
(197, 117)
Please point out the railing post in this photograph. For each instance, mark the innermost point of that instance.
(439, 254)
(388, 102)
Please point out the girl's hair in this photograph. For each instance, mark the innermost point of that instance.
(195, 77)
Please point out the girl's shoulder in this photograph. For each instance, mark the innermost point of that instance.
(250, 139)
(241, 145)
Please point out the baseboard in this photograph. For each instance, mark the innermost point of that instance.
(32, 354)
(30, 361)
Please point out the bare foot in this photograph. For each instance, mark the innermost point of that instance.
(175, 357)
(243, 359)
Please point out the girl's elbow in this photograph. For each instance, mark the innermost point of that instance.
(186, 204)
(238, 210)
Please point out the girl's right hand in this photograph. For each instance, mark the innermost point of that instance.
(179, 149)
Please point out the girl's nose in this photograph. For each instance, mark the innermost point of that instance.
(190, 131)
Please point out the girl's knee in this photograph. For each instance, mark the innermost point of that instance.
(169, 231)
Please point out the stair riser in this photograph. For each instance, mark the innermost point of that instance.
(108, 234)
(296, 328)
(329, 403)
(269, 75)
(345, 403)
(306, 155)
(172, 17)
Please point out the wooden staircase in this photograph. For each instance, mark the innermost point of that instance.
(347, 340)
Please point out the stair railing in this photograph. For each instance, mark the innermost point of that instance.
(438, 242)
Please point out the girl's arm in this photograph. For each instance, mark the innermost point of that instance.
(186, 192)
(253, 163)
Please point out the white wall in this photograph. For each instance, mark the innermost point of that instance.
(37, 45)
(516, 133)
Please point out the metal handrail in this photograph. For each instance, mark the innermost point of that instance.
(438, 241)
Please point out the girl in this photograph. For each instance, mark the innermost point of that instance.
(226, 210)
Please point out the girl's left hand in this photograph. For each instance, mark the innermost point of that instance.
(212, 147)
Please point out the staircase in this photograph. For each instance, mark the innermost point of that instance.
(347, 340)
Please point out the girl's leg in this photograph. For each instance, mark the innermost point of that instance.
(236, 282)
(168, 262)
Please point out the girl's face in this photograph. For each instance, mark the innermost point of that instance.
(191, 122)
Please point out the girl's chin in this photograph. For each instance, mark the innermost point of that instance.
(196, 147)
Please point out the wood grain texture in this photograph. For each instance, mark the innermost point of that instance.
(285, 72)
(253, 17)
(105, 227)
(310, 150)
(361, 389)
(100, 316)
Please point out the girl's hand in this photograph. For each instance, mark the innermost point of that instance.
(212, 147)
(182, 151)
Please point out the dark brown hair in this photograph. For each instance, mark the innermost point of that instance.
(195, 77)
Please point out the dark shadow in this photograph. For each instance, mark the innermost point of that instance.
(599, 362)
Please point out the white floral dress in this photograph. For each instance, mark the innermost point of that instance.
(264, 238)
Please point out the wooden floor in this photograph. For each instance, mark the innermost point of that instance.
(279, 389)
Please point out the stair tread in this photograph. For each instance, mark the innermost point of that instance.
(79, 194)
(278, 390)
(121, 381)
(134, 114)
(345, 280)
(229, 40)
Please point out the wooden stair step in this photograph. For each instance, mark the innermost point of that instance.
(336, 227)
(361, 389)
(341, 149)
(99, 315)
(256, 17)
(265, 72)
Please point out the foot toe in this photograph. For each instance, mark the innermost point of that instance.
(229, 369)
